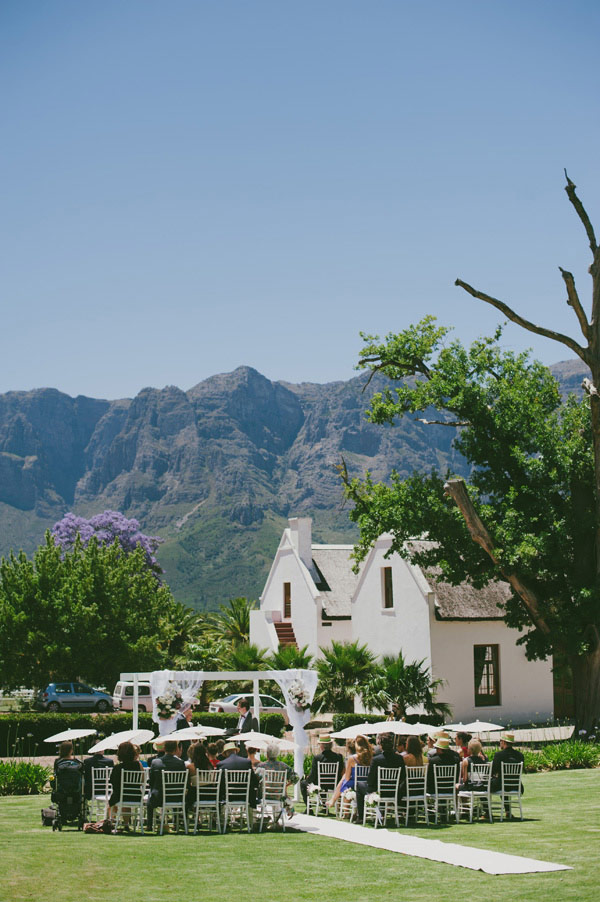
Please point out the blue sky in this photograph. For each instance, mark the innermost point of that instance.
(192, 186)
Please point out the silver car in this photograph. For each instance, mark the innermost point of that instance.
(268, 704)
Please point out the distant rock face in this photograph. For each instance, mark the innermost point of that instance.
(214, 470)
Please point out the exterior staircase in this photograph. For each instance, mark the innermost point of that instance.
(285, 633)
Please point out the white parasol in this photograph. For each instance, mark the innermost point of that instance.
(260, 740)
(482, 726)
(139, 737)
(358, 729)
(70, 734)
(400, 728)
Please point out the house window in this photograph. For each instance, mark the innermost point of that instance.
(388, 589)
(486, 662)
(287, 601)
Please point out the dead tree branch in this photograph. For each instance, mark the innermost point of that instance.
(457, 490)
(525, 323)
(580, 209)
(443, 422)
(574, 302)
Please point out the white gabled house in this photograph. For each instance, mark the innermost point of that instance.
(312, 597)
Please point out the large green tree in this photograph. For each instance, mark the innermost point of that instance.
(528, 513)
(90, 612)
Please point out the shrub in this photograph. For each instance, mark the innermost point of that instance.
(570, 755)
(23, 735)
(22, 778)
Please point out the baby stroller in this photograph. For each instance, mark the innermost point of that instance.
(67, 794)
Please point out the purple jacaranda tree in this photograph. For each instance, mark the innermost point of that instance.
(106, 528)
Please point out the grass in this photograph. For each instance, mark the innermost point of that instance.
(562, 825)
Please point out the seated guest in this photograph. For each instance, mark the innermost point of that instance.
(220, 744)
(443, 755)
(126, 761)
(234, 761)
(328, 756)
(65, 753)
(401, 745)
(97, 759)
(272, 763)
(212, 750)
(363, 756)
(462, 743)
(198, 760)
(475, 756)
(253, 755)
(507, 753)
(170, 760)
(414, 752)
(388, 758)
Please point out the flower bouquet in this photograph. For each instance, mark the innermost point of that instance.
(349, 794)
(169, 703)
(298, 695)
(372, 798)
(312, 789)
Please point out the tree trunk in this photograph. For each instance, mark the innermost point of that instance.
(586, 691)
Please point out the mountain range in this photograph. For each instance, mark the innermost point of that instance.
(215, 471)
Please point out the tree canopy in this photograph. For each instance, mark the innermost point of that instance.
(530, 512)
(106, 528)
(90, 613)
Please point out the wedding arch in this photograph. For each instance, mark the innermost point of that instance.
(298, 687)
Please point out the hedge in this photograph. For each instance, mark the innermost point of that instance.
(22, 735)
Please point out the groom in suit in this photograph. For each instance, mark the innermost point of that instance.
(245, 723)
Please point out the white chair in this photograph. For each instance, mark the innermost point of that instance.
(445, 777)
(100, 792)
(132, 797)
(327, 780)
(174, 786)
(237, 797)
(273, 783)
(388, 782)
(208, 802)
(510, 787)
(416, 792)
(468, 799)
(345, 806)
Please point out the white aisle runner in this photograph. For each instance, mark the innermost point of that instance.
(433, 849)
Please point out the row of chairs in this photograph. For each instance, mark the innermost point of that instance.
(222, 796)
(445, 799)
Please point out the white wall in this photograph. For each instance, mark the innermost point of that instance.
(305, 609)
(405, 627)
(526, 690)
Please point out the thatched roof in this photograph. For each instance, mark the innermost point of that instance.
(464, 602)
(334, 579)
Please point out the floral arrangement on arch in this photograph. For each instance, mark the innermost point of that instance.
(169, 703)
(299, 695)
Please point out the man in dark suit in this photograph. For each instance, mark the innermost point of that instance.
(234, 761)
(507, 754)
(388, 758)
(169, 761)
(327, 755)
(245, 723)
(96, 760)
(442, 754)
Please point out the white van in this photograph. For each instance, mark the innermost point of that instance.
(123, 697)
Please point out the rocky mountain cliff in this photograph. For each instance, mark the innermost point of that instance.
(215, 470)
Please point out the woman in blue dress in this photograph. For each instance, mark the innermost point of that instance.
(362, 756)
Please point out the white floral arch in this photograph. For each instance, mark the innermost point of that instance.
(295, 684)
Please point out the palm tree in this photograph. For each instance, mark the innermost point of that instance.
(344, 670)
(409, 685)
(232, 622)
(289, 657)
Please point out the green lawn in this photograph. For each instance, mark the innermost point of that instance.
(562, 825)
